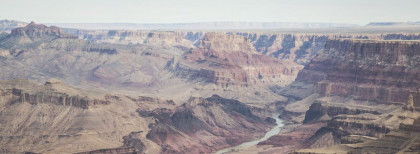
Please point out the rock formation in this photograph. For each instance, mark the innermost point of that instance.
(363, 90)
(188, 130)
(33, 30)
(371, 70)
(237, 63)
(301, 48)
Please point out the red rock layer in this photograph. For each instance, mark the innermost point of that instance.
(226, 60)
(385, 71)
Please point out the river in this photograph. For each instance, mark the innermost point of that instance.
(273, 131)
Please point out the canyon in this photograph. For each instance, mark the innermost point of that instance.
(201, 91)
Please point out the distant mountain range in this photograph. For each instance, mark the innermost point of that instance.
(394, 23)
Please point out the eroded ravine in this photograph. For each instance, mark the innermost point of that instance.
(274, 131)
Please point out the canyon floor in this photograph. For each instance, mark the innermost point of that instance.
(64, 90)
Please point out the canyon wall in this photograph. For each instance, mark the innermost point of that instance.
(218, 60)
(362, 90)
(301, 48)
(382, 71)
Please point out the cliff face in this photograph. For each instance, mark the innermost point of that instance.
(371, 70)
(225, 43)
(363, 90)
(225, 63)
(54, 97)
(369, 74)
(301, 48)
(48, 94)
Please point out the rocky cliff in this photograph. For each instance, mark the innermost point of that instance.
(363, 90)
(385, 71)
(225, 63)
(369, 74)
(301, 48)
(48, 94)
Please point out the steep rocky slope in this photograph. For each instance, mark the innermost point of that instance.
(205, 125)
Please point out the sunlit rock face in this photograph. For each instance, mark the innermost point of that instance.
(227, 60)
(372, 70)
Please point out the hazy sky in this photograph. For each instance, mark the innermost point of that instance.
(180, 11)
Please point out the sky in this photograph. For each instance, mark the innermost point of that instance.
(186, 11)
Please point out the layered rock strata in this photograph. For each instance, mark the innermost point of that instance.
(385, 71)
(227, 60)
(363, 90)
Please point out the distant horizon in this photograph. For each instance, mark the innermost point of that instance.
(360, 12)
(193, 22)
(235, 25)
(212, 22)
